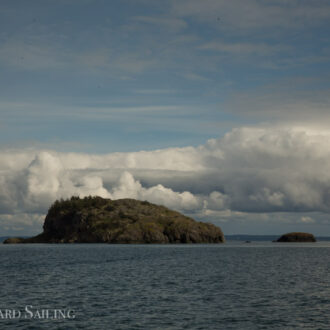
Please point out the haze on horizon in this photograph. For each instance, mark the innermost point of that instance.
(218, 109)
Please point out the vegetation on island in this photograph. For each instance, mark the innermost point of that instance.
(97, 220)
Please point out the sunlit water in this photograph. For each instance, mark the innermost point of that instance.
(230, 286)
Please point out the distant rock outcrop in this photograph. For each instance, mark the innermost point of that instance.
(13, 240)
(99, 220)
(297, 237)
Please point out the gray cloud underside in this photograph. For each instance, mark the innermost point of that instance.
(254, 170)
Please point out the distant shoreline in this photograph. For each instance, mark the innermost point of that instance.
(235, 237)
(264, 238)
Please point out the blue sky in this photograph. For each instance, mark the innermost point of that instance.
(103, 76)
(97, 77)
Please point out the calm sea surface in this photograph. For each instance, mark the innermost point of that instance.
(229, 286)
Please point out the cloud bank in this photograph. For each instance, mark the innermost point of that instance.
(249, 170)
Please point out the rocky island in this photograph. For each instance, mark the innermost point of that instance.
(297, 237)
(99, 220)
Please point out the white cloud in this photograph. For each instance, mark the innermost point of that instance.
(249, 170)
(307, 219)
(128, 187)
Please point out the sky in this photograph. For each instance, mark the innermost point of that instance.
(218, 109)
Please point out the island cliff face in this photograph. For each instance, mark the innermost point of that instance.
(98, 220)
(297, 237)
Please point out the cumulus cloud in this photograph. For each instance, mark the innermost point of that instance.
(249, 170)
(128, 187)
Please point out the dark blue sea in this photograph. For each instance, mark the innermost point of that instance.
(229, 286)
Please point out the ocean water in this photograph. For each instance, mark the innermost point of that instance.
(229, 286)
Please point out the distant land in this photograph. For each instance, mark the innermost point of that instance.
(3, 238)
(125, 221)
(264, 238)
(297, 237)
(99, 220)
(233, 237)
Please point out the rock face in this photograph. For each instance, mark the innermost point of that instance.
(98, 220)
(297, 237)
